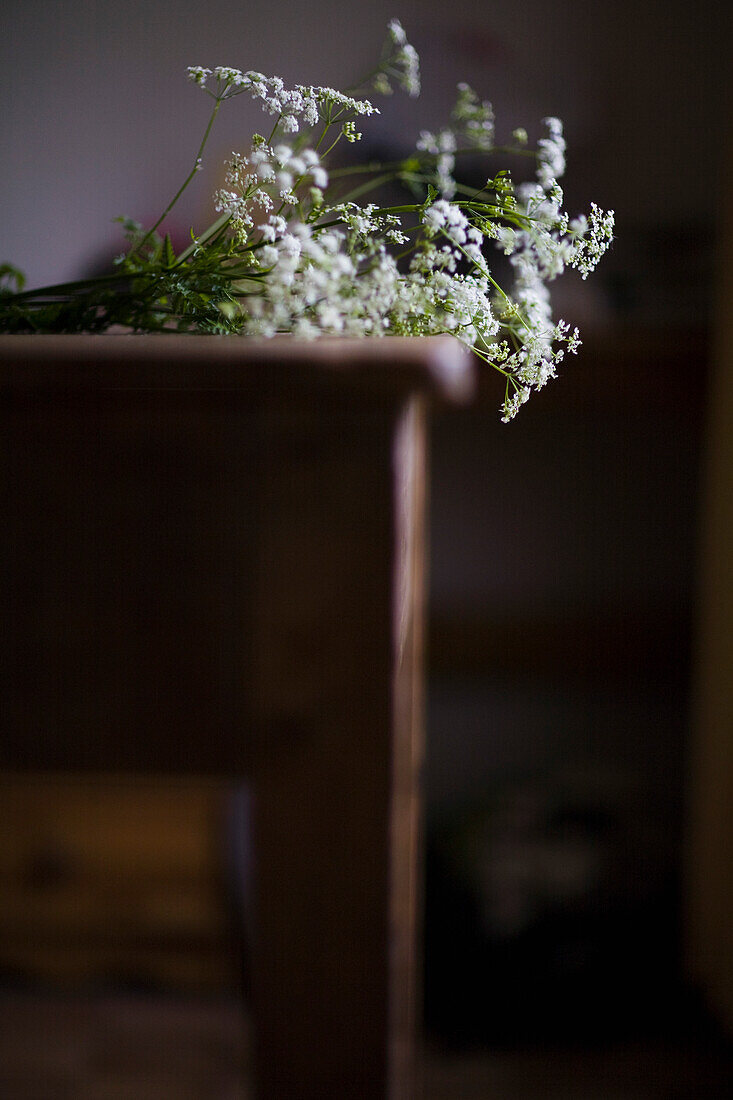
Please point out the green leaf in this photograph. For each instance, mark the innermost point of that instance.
(169, 256)
(11, 274)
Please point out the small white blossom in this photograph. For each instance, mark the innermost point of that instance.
(290, 245)
(261, 198)
(269, 255)
(228, 76)
(512, 405)
(593, 239)
(408, 70)
(474, 118)
(198, 75)
(396, 32)
(317, 265)
(551, 155)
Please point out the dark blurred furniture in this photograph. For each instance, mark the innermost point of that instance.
(710, 795)
(212, 564)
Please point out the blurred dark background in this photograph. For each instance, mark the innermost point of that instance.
(565, 547)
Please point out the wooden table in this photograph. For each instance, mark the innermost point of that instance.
(212, 562)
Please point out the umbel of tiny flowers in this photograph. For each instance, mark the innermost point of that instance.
(302, 247)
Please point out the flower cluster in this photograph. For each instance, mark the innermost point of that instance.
(471, 128)
(592, 239)
(293, 107)
(268, 175)
(293, 251)
(399, 62)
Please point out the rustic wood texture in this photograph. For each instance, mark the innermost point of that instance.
(212, 564)
(132, 475)
(406, 882)
(335, 788)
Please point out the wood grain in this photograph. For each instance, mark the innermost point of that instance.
(212, 563)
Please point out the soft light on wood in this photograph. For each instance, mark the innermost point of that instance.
(213, 563)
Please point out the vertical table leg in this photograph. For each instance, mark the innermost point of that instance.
(337, 682)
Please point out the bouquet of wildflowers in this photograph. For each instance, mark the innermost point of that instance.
(303, 247)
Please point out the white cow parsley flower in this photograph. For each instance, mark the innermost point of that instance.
(303, 247)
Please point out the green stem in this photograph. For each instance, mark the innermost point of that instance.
(215, 228)
(333, 144)
(326, 128)
(490, 362)
(272, 131)
(487, 275)
(360, 169)
(68, 288)
(196, 164)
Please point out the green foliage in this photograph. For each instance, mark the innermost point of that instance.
(293, 251)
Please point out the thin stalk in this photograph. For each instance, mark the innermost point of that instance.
(68, 288)
(213, 229)
(274, 128)
(196, 165)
